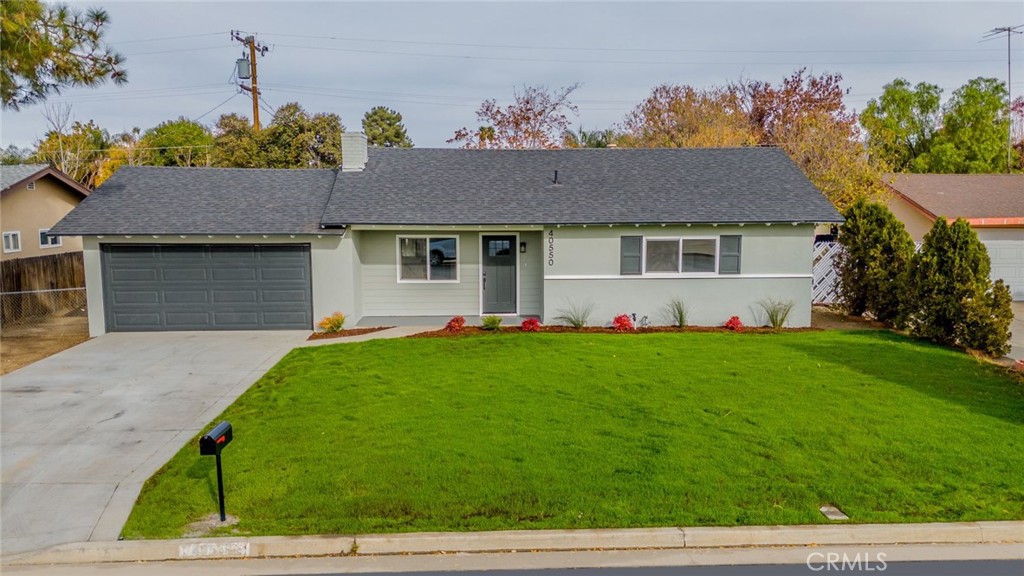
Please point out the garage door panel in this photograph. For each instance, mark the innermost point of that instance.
(186, 296)
(234, 274)
(185, 274)
(235, 296)
(135, 275)
(137, 297)
(207, 287)
(282, 319)
(277, 273)
(135, 319)
(187, 320)
(235, 319)
(290, 296)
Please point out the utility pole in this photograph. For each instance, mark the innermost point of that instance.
(1009, 31)
(254, 47)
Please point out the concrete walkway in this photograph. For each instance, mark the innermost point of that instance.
(395, 332)
(83, 429)
(975, 533)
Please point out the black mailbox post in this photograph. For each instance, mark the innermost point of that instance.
(211, 444)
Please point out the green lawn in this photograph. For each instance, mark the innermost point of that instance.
(586, 431)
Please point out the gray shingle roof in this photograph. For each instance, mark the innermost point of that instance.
(449, 186)
(155, 200)
(11, 175)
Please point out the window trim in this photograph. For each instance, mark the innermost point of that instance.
(12, 234)
(46, 231)
(679, 263)
(428, 280)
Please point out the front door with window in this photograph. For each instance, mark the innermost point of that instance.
(498, 275)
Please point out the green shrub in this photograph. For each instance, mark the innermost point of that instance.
(576, 314)
(776, 311)
(491, 322)
(677, 311)
(955, 301)
(333, 323)
(987, 326)
(875, 263)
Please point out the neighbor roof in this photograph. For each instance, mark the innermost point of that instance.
(975, 197)
(157, 200)
(594, 186)
(12, 175)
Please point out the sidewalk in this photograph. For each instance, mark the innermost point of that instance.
(394, 332)
(528, 540)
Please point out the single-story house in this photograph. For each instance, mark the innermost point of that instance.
(403, 234)
(33, 197)
(993, 204)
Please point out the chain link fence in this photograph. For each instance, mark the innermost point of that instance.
(40, 306)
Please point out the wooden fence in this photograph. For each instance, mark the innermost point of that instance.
(825, 286)
(51, 272)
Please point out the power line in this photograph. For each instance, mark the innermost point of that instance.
(141, 40)
(624, 62)
(196, 119)
(201, 48)
(610, 49)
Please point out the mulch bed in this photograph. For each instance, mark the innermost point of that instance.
(478, 331)
(346, 333)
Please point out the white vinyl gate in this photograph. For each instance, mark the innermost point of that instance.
(825, 284)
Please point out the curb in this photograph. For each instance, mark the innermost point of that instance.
(1011, 532)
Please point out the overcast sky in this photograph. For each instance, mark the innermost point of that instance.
(435, 62)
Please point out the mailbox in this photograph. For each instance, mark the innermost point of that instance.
(210, 444)
(214, 440)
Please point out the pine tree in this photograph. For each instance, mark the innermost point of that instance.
(383, 127)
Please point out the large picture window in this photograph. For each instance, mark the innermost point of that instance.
(428, 259)
(664, 256)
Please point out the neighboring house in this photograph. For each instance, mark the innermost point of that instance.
(439, 232)
(33, 197)
(993, 204)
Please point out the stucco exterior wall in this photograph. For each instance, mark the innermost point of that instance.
(333, 262)
(583, 265)
(384, 295)
(29, 211)
(916, 223)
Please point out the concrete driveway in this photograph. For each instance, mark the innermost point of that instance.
(82, 430)
(1017, 339)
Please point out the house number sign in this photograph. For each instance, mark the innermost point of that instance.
(551, 247)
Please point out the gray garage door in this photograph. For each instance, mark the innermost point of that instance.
(206, 287)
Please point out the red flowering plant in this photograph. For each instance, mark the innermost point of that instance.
(530, 325)
(734, 324)
(455, 325)
(622, 323)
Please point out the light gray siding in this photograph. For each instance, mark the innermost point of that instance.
(583, 265)
(384, 295)
(531, 275)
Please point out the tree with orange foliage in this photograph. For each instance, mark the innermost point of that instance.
(676, 116)
(536, 119)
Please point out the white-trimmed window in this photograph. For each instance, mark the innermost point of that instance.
(46, 240)
(12, 242)
(428, 258)
(680, 255)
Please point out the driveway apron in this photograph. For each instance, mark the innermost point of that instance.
(82, 430)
